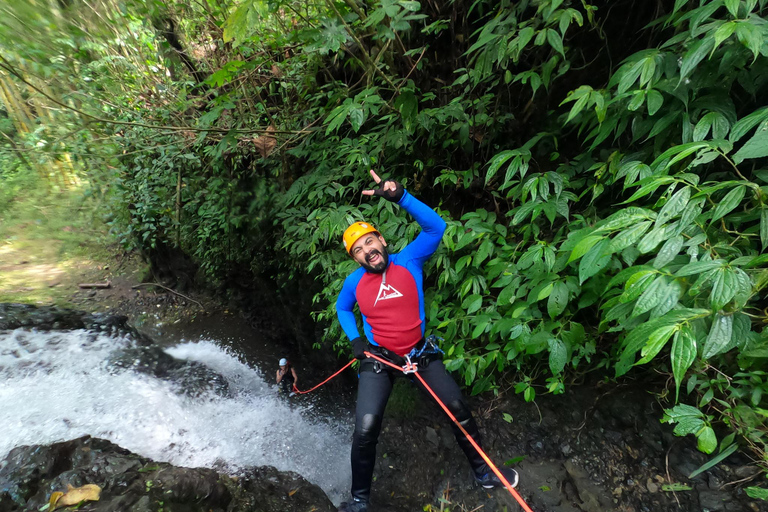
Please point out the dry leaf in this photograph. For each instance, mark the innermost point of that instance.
(265, 143)
(54, 498)
(291, 493)
(75, 495)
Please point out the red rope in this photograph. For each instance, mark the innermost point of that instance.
(493, 467)
(296, 390)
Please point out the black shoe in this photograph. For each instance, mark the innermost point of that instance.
(490, 480)
(354, 506)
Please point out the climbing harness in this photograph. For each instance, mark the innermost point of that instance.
(422, 354)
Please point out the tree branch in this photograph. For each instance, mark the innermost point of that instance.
(8, 67)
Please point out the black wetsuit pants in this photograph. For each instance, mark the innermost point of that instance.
(373, 392)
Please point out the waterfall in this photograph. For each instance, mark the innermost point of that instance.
(57, 386)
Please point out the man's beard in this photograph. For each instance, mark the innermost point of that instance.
(379, 267)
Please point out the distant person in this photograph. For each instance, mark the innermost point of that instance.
(389, 291)
(286, 377)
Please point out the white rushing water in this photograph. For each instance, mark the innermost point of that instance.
(58, 386)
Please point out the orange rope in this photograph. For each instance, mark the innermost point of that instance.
(410, 368)
(296, 390)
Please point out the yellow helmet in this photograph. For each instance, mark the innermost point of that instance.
(355, 231)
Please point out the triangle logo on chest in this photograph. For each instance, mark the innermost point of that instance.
(387, 291)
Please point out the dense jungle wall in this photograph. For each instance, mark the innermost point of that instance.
(601, 167)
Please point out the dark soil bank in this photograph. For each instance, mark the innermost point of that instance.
(596, 448)
(592, 450)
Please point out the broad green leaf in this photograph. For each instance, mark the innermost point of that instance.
(649, 188)
(638, 337)
(743, 286)
(583, 246)
(595, 260)
(719, 336)
(699, 50)
(655, 100)
(623, 276)
(497, 161)
(676, 153)
(652, 239)
(707, 439)
(558, 355)
(731, 200)
(764, 227)
(682, 355)
(745, 124)
(507, 294)
(637, 101)
(411, 5)
(656, 342)
(558, 299)
(724, 32)
(723, 288)
(637, 284)
(733, 7)
(674, 206)
(523, 212)
(581, 97)
(742, 327)
(625, 217)
(485, 250)
(555, 41)
(681, 412)
(750, 36)
(756, 147)
(691, 211)
(651, 297)
(545, 292)
(472, 303)
(356, 117)
(697, 267)
(668, 251)
(678, 5)
(757, 493)
(628, 237)
(670, 299)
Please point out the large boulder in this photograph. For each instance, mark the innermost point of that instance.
(29, 475)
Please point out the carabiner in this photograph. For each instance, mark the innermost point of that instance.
(409, 367)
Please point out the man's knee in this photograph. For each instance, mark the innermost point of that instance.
(367, 431)
(460, 411)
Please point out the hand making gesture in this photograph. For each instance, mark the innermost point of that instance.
(389, 189)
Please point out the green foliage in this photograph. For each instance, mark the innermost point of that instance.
(606, 203)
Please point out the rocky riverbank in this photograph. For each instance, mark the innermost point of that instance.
(30, 475)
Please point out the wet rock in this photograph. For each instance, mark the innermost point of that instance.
(746, 471)
(593, 499)
(46, 318)
(432, 437)
(191, 377)
(714, 501)
(29, 474)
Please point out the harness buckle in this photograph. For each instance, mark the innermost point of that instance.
(410, 366)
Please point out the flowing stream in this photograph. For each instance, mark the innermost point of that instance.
(57, 386)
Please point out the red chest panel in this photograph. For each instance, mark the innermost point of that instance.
(391, 308)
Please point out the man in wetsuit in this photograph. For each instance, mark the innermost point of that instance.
(286, 377)
(389, 291)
